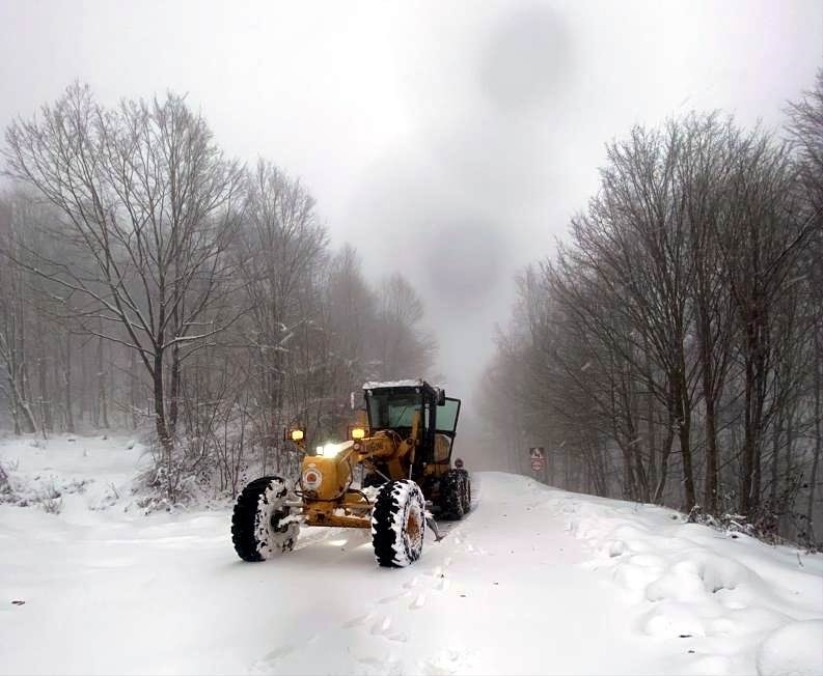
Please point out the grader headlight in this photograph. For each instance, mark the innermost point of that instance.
(297, 435)
(357, 433)
(330, 450)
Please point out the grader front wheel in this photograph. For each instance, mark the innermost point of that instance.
(260, 527)
(398, 524)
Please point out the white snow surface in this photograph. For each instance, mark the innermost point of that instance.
(534, 580)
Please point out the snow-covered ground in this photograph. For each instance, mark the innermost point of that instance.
(534, 581)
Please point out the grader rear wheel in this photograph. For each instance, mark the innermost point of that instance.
(452, 500)
(466, 492)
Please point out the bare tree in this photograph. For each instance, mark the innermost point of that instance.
(281, 250)
(673, 332)
(350, 324)
(164, 282)
(13, 329)
(760, 244)
(806, 132)
(148, 198)
(402, 347)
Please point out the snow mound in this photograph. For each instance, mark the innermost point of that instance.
(68, 473)
(696, 575)
(729, 596)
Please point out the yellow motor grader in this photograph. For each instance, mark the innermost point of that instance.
(403, 443)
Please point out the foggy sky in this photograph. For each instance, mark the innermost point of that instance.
(451, 141)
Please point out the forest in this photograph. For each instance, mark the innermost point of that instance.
(671, 352)
(149, 282)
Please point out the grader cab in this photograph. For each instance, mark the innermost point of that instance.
(404, 445)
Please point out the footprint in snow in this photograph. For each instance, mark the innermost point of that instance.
(359, 620)
(418, 602)
(381, 626)
(444, 664)
(390, 667)
(394, 597)
(278, 653)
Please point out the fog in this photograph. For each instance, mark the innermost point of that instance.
(448, 141)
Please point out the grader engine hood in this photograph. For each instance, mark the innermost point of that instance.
(326, 476)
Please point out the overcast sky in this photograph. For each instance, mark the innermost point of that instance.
(448, 140)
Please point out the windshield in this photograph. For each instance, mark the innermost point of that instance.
(393, 410)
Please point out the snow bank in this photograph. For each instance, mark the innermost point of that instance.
(740, 605)
(71, 474)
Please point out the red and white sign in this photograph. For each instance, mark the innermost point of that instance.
(537, 456)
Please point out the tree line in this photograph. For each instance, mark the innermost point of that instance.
(671, 352)
(148, 279)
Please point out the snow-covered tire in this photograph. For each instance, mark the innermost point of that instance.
(465, 492)
(256, 528)
(398, 524)
(451, 498)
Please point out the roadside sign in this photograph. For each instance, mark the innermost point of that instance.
(537, 456)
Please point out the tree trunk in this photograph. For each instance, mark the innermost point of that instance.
(133, 383)
(666, 449)
(42, 384)
(818, 439)
(30, 424)
(102, 394)
(707, 377)
(67, 386)
(684, 437)
(747, 476)
(161, 424)
(174, 389)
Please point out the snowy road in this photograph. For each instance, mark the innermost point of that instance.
(533, 581)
